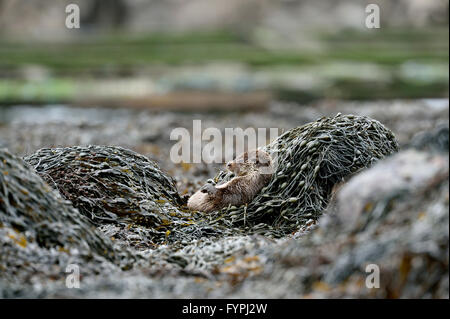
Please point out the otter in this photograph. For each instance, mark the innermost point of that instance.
(252, 170)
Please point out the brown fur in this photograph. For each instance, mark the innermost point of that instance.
(253, 171)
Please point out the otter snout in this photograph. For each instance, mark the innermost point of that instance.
(232, 167)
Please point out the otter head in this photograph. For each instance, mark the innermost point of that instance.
(255, 160)
(204, 198)
(208, 189)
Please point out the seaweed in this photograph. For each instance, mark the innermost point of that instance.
(42, 232)
(311, 160)
(112, 185)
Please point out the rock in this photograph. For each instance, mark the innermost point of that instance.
(432, 140)
(405, 174)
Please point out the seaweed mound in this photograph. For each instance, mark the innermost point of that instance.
(122, 192)
(108, 184)
(112, 185)
(39, 230)
(310, 161)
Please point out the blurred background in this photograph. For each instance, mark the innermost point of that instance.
(297, 50)
(135, 69)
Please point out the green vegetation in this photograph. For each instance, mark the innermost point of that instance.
(51, 91)
(386, 49)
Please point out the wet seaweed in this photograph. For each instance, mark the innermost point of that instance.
(108, 183)
(310, 160)
(39, 230)
(114, 185)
